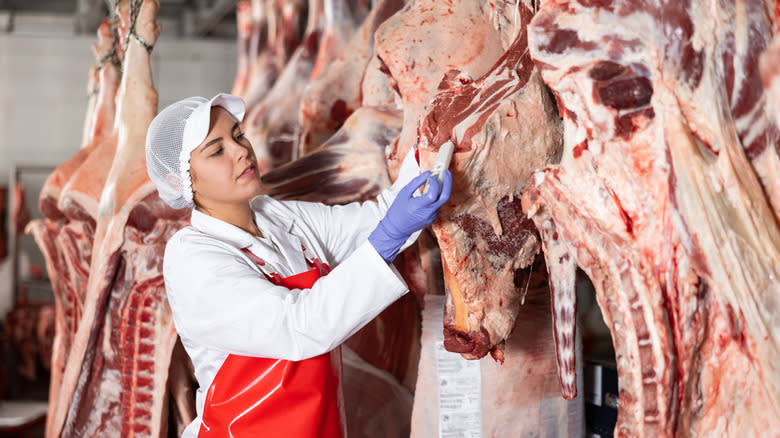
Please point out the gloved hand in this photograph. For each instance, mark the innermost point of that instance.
(409, 214)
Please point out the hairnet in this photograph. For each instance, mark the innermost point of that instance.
(172, 136)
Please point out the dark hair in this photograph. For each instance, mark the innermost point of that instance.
(194, 201)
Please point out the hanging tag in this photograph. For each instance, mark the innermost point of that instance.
(460, 395)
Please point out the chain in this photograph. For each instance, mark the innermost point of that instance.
(113, 21)
(135, 8)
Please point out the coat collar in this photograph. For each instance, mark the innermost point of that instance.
(277, 225)
(268, 217)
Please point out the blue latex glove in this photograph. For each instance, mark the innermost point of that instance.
(409, 214)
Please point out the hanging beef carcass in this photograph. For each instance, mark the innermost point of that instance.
(340, 20)
(244, 32)
(278, 27)
(656, 200)
(334, 95)
(273, 126)
(115, 379)
(485, 239)
(78, 202)
(264, 65)
(349, 167)
(288, 27)
(65, 233)
(97, 122)
(484, 94)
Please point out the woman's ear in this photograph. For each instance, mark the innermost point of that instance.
(174, 181)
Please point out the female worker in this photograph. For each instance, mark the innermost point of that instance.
(263, 291)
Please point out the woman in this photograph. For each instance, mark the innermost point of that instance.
(254, 300)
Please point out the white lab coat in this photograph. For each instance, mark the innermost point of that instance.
(222, 303)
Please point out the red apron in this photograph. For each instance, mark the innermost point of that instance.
(260, 397)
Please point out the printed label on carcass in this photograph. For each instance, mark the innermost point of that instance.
(460, 395)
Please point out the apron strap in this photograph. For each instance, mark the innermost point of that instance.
(315, 262)
(275, 277)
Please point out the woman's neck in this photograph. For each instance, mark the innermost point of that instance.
(239, 215)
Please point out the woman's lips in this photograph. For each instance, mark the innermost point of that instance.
(249, 171)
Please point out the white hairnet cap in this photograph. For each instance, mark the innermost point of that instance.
(173, 135)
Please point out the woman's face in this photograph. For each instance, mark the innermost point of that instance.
(223, 168)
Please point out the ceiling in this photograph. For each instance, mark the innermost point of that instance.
(189, 18)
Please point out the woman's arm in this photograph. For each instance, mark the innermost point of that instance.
(221, 302)
(342, 228)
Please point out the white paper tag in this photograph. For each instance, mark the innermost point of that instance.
(460, 395)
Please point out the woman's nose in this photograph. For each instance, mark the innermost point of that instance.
(239, 151)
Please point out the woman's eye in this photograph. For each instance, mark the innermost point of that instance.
(218, 151)
(240, 136)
